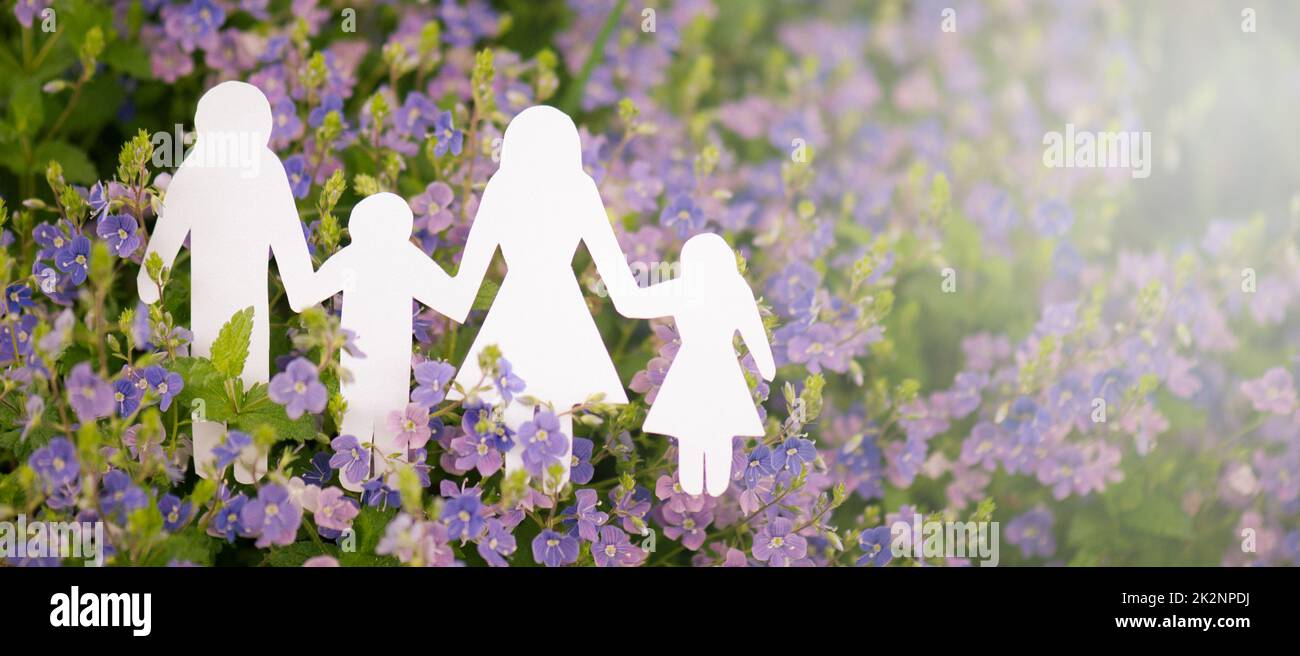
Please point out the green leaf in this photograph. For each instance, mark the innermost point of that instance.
(486, 294)
(204, 392)
(26, 109)
(76, 165)
(259, 411)
(1159, 516)
(369, 526)
(230, 349)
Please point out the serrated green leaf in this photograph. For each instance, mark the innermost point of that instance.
(486, 294)
(230, 349)
(260, 412)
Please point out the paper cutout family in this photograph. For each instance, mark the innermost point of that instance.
(536, 208)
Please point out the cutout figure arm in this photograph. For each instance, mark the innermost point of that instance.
(430, 284)
(288, 244)
(324, 283)
(755, 335)
(658, 300)
(480, 246)
(605, 251)
(168, 233)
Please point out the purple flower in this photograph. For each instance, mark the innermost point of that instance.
(758, 465)
(683, 215)
(582, 518)
(818, 347)
(17, 297)
(225, 521)
(26, 10)
(126, 396)
(613, 548)
(88, 394)
(273, 517)
(447, 136)
(299, 177)
(1032, 532)
(496, 543)
(777, 545)
(580, 467)
(554, 550)
(477, 448)
(411, 426)
(793, 454)
(335, 510)
(51, 239)
(687, 526)
(981, 446)
(119, 496)
(632, 505)
(431, 208)
(875, 547)
(319, 473)
(230, 448)
(194, 25)
(463, 515)
(174, 511)
(121, 232)
(432, 378)
(298, 389)
(1053, 218)
(350, 459)
(74, 259)
(544, 444)
(167, 384)
(376, 494)
(506, 382)
(1273, 392)
(416, 542)
(56, 463)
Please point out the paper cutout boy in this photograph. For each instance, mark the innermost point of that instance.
(379, 273)
(232, 197)
(704, 400)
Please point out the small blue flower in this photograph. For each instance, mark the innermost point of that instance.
(875, 544)
(447, 136)
(174, 511)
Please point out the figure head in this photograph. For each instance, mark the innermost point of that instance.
(542, 139)
(706, 257)
(381, 219)
(234, 108)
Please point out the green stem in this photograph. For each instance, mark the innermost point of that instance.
(573, 95)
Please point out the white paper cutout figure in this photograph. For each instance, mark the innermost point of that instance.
(232, 197)
(379, 273)
(704, 400)
(537, 207)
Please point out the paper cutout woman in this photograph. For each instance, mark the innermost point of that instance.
(704, 400)
(537, 207)
(379, 273)
(232, 197)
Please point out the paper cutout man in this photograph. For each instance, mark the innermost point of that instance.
(704, 400)
(232, 197)
(537, 207)
(379, 273)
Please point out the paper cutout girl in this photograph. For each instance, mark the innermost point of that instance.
(379, 273)
(704, 399)
(537, 207)
(232, 197)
